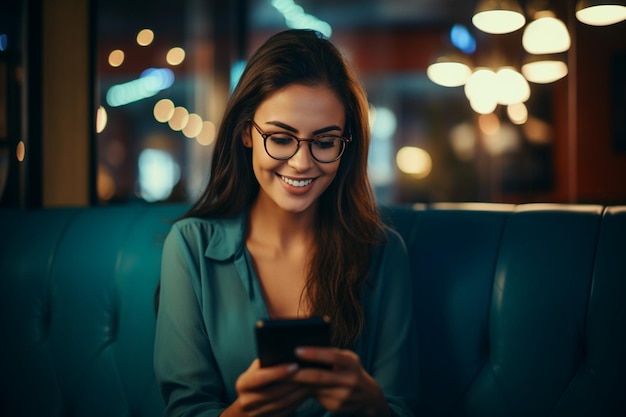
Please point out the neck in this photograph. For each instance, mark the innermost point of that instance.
(275, 226)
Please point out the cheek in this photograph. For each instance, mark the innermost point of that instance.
(261, 161)
(331, 169)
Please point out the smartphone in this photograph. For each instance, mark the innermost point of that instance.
(277, 339)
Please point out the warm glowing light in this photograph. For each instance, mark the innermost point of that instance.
(463, 141)
(481, 91)
(105, 183)
(163, 110)
(448, 74)
(484, 105)
(601, 15)
(101, 119)
(481, 81)
(145, 37)
(179, 118)
(518, 113)
(193, 126)
(498, 21)
(543, 72)
(537, 131)
(505, 140)
(116, 58)
(489, 124)
(414, 161)
(175, 56)
(546, 35)
(20, 151)
(511, 86)
(207, 134)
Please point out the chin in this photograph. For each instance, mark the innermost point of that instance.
(296, 207)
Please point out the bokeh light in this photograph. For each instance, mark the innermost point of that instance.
(145, 37)
(175, 56)
(193, 126)
(116, 58)
(20, 151)
(207, 134)
(163, 110)
(179, 118)
(414, 161)
(158, 174)
(101, 119)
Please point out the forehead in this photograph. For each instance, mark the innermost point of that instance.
(304, 107)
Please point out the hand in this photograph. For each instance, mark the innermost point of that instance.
(346, 388)
(267, 392)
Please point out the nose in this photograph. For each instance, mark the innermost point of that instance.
(302, 160)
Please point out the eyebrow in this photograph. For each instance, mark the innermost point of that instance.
(294, 130)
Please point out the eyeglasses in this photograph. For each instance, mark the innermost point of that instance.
(282, 145)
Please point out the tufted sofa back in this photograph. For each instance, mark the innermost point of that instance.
(76, 304)
(521, 310)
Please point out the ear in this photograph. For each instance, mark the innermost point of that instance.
(246, 139)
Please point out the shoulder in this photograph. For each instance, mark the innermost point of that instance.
(218, 238)
(194, 225)
(392, 239)
(391, 253)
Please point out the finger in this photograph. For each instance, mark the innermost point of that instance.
(256, 377)
(337, 358)
(336, 399)
(279, 400)
(321, 378)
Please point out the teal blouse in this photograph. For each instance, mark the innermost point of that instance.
(211, 298)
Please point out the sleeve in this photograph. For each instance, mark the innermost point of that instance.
(393, 344)
(184, 365)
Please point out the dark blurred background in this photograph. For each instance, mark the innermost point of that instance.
(112, 102)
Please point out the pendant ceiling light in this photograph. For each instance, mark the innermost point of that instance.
(546, 35)
(545, 39)
(544, 69)
(498, 16)
(601, 13)
(451, 69)
(511, 86)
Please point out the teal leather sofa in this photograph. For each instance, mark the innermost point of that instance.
(521, 310)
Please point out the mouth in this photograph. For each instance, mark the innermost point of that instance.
(296, 182)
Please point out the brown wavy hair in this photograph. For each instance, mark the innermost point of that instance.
(348, 222)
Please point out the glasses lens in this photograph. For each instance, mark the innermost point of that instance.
(326, 148)
(281, 146)
(323, 148)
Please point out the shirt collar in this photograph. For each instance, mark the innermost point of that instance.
(227, 238)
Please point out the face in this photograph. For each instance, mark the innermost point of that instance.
(294, 185)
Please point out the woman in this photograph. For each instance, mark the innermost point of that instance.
(287, 227)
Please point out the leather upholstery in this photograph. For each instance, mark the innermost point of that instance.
(521, 309)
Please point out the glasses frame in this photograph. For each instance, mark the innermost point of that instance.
(265, 135)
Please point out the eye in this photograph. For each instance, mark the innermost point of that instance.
(326, 142)
(281, 139)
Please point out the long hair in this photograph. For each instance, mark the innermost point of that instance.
(348, 222)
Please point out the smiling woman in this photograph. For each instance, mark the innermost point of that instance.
(287, 228)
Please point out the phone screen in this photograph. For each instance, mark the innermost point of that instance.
(277, 339)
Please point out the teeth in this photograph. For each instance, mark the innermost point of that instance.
(296, 183)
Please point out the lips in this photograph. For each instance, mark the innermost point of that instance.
(296, 182)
